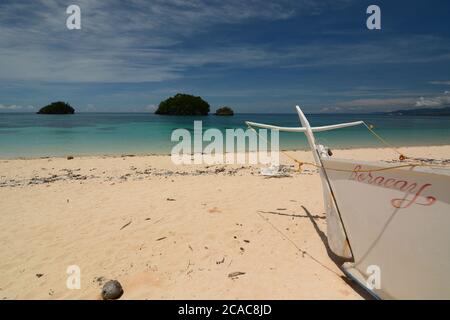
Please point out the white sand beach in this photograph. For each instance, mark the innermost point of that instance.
(167, 231)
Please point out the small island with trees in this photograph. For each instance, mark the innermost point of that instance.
(183, 105)
(58, 107)
(224, 111)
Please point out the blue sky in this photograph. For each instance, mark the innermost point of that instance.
(255, 56)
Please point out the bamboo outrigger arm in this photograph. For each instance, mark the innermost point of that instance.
(307, 129)
(302, 129)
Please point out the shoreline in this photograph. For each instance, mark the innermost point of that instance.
(130, 155)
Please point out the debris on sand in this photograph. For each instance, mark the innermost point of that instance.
(100, 280)
(235, 275)
(219, 170)
(132, 173)
(126, 225)
(112, 290)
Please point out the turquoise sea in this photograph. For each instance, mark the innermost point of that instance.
(32, 135)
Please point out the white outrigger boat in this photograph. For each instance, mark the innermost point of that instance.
(392, 222)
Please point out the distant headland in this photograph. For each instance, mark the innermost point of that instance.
(420, 112)
(58, 107)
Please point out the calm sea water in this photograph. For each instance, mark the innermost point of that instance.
(32, 135)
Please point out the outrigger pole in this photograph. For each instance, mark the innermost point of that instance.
(317, 153)
(307, 129)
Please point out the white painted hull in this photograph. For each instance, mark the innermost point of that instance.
(394, 221)
(399, 221)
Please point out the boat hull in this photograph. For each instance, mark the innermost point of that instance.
(397, 222)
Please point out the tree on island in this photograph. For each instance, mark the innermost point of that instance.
(183, 105)
(58, 107)
(224, 111)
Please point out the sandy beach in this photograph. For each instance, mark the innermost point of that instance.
(170, 232)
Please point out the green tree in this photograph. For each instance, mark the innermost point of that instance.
(224, 111)
(183, 105)
(58, 107)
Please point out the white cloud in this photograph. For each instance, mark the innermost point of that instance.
(390, 103)
(13, 107)
(417, 49)
(90, 108)
(151, 107)
(379, 102)
(437, 101)
(446, 83)
(140, 40)
(134, 41)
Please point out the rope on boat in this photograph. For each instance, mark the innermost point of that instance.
(376, 135)
(402, 157)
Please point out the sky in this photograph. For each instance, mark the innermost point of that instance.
(255, 56)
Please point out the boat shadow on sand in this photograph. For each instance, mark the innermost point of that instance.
(339, 261)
